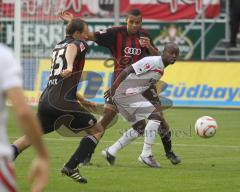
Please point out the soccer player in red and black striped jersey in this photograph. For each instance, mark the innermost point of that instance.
(128, 44)
(58, 104)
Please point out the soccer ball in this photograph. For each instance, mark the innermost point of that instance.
(205, 127)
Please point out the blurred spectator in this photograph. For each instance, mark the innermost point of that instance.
(234, 21)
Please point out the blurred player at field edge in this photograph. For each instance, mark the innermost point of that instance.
(11, 88)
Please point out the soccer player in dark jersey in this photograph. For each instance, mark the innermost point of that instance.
(59, 106)
(127, 44)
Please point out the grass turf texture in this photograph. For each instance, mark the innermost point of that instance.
(207, 164)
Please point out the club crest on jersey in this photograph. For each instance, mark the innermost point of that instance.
(132, 51)
(144, 68)
(147, 66)
(82, 47)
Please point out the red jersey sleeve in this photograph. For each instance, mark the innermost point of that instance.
(106, 37)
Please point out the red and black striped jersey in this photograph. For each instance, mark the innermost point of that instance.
(66, 85)
(125, 48)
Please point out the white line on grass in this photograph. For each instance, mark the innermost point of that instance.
(140, 143)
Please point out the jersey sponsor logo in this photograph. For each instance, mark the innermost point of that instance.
(82, 47)
(132, 51)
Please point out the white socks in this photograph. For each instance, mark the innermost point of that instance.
(150, 133)
(126, 139)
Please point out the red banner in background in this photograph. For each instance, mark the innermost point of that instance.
(173, 9)
(151, 9)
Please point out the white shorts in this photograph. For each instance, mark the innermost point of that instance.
(7, 176)
(134, 108)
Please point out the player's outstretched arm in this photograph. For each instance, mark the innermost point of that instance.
(31, 127)
(67, 16)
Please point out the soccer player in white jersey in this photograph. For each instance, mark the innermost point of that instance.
(10, 88)
(134, 94)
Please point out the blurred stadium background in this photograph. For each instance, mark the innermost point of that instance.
(207, 76)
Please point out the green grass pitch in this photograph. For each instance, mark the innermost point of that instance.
(207, 164)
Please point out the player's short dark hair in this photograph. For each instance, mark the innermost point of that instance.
(171, 45)
(134, 12)
(74, 25)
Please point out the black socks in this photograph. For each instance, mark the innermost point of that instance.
(16, 151)
(84, 150)
(166, 139)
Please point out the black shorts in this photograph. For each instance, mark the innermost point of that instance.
(68, 114)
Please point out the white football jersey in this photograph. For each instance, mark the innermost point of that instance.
(10, 76)
(147, 70)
